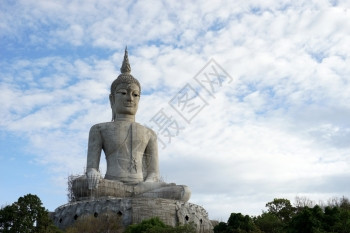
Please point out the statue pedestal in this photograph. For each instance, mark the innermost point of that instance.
(135, 210)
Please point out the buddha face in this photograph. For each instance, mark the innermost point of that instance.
(125, 99)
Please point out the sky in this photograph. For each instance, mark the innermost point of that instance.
(250, 99)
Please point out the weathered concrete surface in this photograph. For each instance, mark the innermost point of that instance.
(112, 188)
(134, 210)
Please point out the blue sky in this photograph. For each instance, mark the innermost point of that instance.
(278, 126)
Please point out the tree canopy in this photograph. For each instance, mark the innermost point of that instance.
(282, 217)
(27, 215)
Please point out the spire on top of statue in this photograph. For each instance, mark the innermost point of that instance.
(125, 76)
(126, 65)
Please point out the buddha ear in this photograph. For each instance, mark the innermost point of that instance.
(111, 100)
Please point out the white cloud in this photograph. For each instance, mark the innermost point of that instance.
(74, 34)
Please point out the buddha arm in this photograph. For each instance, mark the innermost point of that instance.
(152, 152)
(94, 149)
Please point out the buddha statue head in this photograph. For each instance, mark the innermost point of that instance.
(125, 92)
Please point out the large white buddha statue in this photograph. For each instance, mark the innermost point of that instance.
(131, 151)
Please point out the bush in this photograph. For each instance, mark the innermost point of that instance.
(105, 222)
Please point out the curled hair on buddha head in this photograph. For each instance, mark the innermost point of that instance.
(125, 76)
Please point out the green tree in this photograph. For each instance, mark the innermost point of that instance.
(268, 222)
(7, 218)
(281, 208)
(27, 215)
(343, 224)
(240, 223)
(307, 220)
(344, 203)
(282, 217)
(221, 228)
(331, 218)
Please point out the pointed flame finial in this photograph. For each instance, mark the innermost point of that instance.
(126, 65)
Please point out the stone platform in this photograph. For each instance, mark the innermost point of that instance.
(135, 210)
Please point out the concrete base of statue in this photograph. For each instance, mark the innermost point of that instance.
(135, 210)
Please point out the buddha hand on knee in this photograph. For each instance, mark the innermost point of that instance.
(93, 177)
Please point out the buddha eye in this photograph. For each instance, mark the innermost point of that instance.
(136, 95)
(123, 92)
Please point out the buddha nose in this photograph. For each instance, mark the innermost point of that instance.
(130, 97)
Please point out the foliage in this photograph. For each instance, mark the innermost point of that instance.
(269, 222)
(25, 216)
(237, 223)
(307, 221)
(342, 223)
(282, 217)
(221, 227)
(155, 225)
(105, 222)
(281, 208)
(240, 223)
(331, 219)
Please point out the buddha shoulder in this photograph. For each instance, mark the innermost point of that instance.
(105, 126)
(102, 126)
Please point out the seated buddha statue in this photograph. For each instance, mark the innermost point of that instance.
(131, 151)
